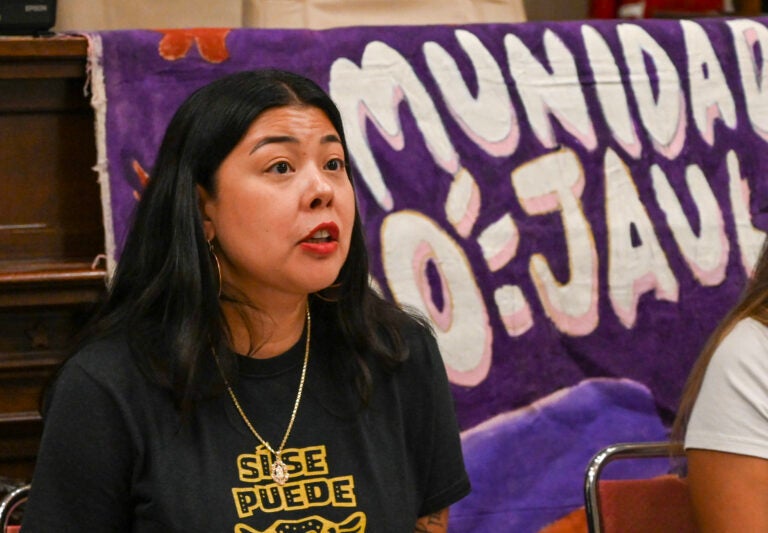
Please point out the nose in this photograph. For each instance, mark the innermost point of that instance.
(321, 191)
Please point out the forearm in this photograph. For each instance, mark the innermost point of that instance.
(433, 523)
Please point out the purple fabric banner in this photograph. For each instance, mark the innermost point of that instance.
(574, 205)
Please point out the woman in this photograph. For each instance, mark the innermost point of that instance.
(242, 374)
(723, 417)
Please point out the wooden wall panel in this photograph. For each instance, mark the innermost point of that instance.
(51, 231)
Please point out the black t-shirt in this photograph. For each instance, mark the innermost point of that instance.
(117, 456)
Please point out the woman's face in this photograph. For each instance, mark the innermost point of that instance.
(284, 209)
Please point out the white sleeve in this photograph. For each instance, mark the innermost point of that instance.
(731, 411)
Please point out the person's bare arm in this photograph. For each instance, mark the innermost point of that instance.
(433, 523)
(729, 492)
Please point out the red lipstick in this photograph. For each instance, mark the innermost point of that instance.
(322, 240)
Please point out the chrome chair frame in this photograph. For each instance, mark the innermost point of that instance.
(10, 502)
(629, 450)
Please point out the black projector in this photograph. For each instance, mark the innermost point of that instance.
(27, 17)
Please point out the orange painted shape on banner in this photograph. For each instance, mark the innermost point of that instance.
(211, 43)
(573, 522)
(143, 178)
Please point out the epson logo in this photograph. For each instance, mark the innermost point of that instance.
(35, 8)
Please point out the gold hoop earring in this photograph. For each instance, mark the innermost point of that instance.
(216, 263)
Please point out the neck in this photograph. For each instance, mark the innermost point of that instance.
(270, 332)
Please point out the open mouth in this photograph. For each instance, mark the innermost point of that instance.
(321, 236)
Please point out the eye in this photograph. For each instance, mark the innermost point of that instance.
(280, 168)
(334, 164)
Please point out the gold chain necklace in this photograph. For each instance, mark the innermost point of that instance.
(278, 471)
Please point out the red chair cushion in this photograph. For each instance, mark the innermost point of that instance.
(655, 505)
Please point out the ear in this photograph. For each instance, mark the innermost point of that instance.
(204, 203)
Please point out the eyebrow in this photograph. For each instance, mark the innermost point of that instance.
(272, 140)
(331, 138)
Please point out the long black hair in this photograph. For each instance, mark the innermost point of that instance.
(164, 296)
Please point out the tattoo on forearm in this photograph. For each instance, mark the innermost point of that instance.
(434, 523)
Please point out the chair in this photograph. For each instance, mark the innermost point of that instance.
(10, 509)
(659, 504)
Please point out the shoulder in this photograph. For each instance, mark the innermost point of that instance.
(744, 348)
(731, 410)
(748, 329)
(423, 370)
(106, 364)
(421, 342)
(103, 356)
